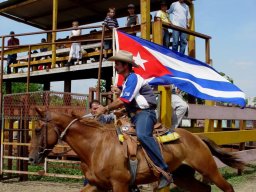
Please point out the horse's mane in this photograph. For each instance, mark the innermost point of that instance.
(92, 123)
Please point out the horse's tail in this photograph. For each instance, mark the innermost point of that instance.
(228, 158)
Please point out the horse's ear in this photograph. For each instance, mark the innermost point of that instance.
(40, 111)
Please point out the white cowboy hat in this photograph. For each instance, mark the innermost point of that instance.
(124, 56)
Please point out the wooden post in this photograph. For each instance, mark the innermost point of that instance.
(28, 72)
(145, 19)
(209, 124)
(54, 27)
(242, 145)
(192, 38)
(165, 109)
(157, 34)
(192, 51)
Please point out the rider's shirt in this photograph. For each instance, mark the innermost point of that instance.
(137, 94)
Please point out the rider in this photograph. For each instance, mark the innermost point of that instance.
(140, 103)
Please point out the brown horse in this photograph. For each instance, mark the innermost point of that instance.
(106, 167)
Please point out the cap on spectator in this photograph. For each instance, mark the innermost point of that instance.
(12, 33)
(131, 6)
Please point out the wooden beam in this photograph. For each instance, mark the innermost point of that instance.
(231, 137)
(188, 31)
(145, 19)
(24, 49)
(54, 27)
(23, 21)
(17, 5)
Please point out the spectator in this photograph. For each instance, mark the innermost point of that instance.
(179, 107)
(75, 50)
(132, 18)
(180, 16)
(43, 40)
(13, 57)
(110, 23)
(165, 18)
(104, 119)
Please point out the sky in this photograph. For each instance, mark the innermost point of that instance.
(231, 24)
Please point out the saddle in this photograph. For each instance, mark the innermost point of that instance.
(126, 132)
(162, 134)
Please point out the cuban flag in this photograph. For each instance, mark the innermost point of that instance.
(161, 66)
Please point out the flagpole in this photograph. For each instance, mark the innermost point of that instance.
(114, 52)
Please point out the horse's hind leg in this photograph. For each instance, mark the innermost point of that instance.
(220, 182)
(184, 178)
(208, 168)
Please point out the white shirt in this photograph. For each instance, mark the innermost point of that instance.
(75, 32)
(179, 14)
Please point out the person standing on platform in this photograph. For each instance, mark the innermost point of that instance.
(180, 16)
(75, 50)
(163, 16)
(12, 58)
(132, 18)
(110, 22)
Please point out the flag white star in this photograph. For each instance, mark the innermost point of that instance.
(139, 61)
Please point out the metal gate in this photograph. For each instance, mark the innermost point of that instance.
(18, 121)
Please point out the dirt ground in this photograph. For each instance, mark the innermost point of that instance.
(245, 184)
(34, 186)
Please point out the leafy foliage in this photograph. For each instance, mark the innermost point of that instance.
(22, 87)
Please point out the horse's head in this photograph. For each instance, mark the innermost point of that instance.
(44, 138)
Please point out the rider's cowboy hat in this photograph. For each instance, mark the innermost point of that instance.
(124, 56)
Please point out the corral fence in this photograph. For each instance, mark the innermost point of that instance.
(19, 119)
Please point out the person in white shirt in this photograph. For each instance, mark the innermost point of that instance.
(180, 16)
(75, 50)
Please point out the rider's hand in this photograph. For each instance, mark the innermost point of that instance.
(115, 89)
(101, 110)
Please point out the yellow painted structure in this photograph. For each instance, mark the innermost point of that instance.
(230, 137)
(54, 27)
(145, 19)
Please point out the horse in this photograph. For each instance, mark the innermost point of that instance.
(105, 165)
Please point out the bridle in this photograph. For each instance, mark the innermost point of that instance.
(59, 134)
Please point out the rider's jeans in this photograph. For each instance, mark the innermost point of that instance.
(144, 122)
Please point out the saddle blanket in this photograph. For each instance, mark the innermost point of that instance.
(165, 138)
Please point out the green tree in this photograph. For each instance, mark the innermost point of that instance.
(102, 86)
(22, 87)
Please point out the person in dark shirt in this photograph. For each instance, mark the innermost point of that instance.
(132, 18)
(110, 22)
(12, 58)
